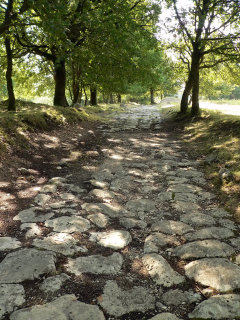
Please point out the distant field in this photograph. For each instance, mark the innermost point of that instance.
(224, 106)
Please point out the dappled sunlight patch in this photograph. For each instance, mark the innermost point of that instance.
(28, 193)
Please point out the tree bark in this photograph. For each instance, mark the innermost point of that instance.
(11, 96)
(60, 83)
(93, 95)
(111, 98)
(152, 96)
(195, 92)
(119, 98)
(76, 92)
(186, 94)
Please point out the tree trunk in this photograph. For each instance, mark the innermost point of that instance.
(152, 96)
(11, 96)
(60, 83)
(186, 94)
(195, 92)
(119, 98)
(93, 95)
(76, 91)
(111, 98)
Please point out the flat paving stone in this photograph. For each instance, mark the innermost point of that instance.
(64, 308)
(197, 219)
(178, 297)
(31, 215)
(42, 199)
(115, 239)
(186, 206)
(171, 227)
(130, 223)
(217, 273)
(8, 243)
(11, 297)
(235, 242)
(68, 224)
(218, 307)
(160, 270)
(54, 283)
(209, 233)
(202, 249)
(112, 211)
(145, 205)
(156, 241)
(117, 302)
(31, 228)
(96, 264)
(26, 264)
(99, 219)
(101, 195)
(165, 316)
(62, 243)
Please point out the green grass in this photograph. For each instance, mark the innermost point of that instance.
(214, 132)
(31, 117)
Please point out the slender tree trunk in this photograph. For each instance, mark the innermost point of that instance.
(119, 98)
(11, 96)
(93, 95)
(152, 96)
(186, 94)
(195, 92)
(111, 98)
(60, 83)
(86, 97)
(76, 92)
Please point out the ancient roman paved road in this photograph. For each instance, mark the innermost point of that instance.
(147, 240)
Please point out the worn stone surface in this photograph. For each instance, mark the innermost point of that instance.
(68, 224)
(31, 215)
(117, 302)
(96, 264)
(197, 219)
(203, 248)
(99, 219)
(115, 239)
(112, 211)
(8, 243)
(26, 264)
(209, 233)
(132, 223)
(41, 199)
(101, 195)
(178, 297)
(63, 308)
(171, 227)
(54, 283)
(165, 316)
(160, 270)
(218, 307)
(158, 240)
(11, 297)
(32, 229)
(217, 273)
(62, 243)
(140, 205)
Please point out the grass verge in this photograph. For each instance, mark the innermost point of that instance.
(31, 117)
(214, 132)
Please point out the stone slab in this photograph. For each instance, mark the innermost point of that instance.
(31, 228)
(99, 219)
(136, 205)
(130, 223)
(209, 233)
(217, 273)
(161, 271)
(26, 264)
(62, 243)
(171, 227)
(165, 316)
(217, 308)
(115, 239)
(64, 308)
(96, 264)
(117, 302)
(68, 224)
(156, 241)
(54, 283)
(31, 215)
(203, 249)
(178, 297)
(197, 219)
(112, 211)
(8, 243)
(101, 195)
(11, 297)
